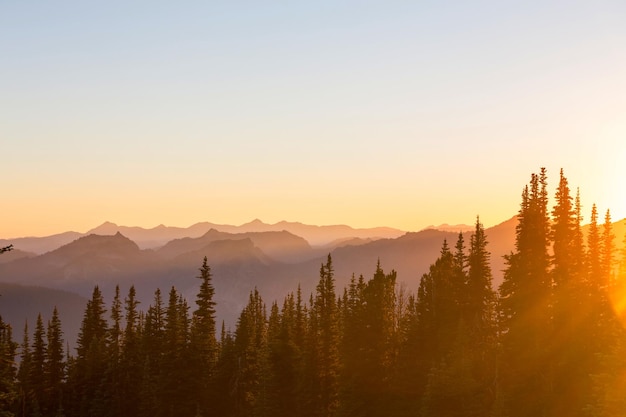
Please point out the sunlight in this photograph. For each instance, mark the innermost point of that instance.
(618, 299)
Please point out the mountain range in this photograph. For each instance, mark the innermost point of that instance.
(241, 258)
(160, 235)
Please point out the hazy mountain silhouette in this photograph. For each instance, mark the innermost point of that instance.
(41, 245)
(281, 246)
(19, 303)
(160, 235)
(154, 237)
(14, 255)
(81, 264)
(456, 228)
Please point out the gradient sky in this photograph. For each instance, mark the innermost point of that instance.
(395, 113)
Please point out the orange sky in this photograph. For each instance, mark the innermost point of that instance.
(402, 115)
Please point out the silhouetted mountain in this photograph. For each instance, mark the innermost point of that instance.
(160, 235)
(81, 264)
(314, 235)
(154, 237)
(456, 228)
(14, 255)
(41, 245)
(322, 235)
(348, 241)
(281, 246)
(20, 303)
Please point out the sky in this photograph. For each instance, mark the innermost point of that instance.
(397, 113)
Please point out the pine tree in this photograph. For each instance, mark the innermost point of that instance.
(571, 314)
(460, 275)
(54, 366)
(353, 344)
(153, 348)
(480, 295)
(174, 397)
(250, 346)
(112, 384)
(609, 368)
(8, 370)
(203, 343)
(324, 327)
(525, 309)
(37, 377)
(439, 307)
(130, 358)
(87, 383)
(379, 356)
(481, 324)
(608, 253)
(224, 377)
(24, 374)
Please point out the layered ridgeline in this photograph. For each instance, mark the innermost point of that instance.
(548, 341)
(273, 261)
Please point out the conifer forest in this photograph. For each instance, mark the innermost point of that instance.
(548, 342)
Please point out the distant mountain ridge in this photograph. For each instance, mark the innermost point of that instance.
(158, 236)
(445, 227)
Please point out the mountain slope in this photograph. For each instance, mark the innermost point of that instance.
(20, 304)
(281, 246)
(41, 245)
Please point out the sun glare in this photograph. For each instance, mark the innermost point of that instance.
(618, 299)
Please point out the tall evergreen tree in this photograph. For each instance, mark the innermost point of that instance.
(174, 397)
(38, 380)
(153, 347)
(8, 370)
(24, 374)
(380, 351)
(54, 366)
(480, 295)
(525, 309)
(203, 342)
(570, 307)
(250, 344)
(481, 323)
(87, 384)
(112, 390)
(130, 358)
(326, 339)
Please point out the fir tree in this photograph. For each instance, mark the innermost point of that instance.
(87, 383)
(480, 352)
(8, 370)
(203, 343)
(525, 308)
(24, 375)
(326, 339)
(37, 377)
(153, 348)
(54, 366)
(250, 345)
(130, 358)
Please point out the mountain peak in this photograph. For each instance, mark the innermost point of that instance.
(106, 228)
(445, 227)
(255, 222)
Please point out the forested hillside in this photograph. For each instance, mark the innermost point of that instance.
(549, 341)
